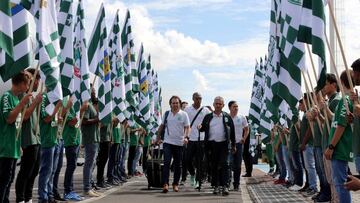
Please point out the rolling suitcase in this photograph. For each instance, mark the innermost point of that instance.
(154, 172)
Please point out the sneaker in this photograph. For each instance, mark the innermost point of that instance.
(304, 189)
(295, 188)
(197, 185)
(225, 191)
(58, 197)
(276, 173)
(310, 193)
(72, 196)
(165, 188)
(216, 191)
(315, 197)
(246, 175)
(236, 188)
(271, 171)
(112, 183)
(176, 188)
(29, 201)
(91, 193)
(182, 182)
(103, 185)
(192, 181)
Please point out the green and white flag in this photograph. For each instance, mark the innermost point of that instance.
(49, 47)
(131, 75)
(22, 46)
(157, 104)
(143, 110)
(100, 65)
(6, 31)
(66, 32)
(150, 76)
(117, 67)
(81, 68)
(256, 97)
(311, 31)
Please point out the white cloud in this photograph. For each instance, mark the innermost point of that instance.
(200, 81)
(171, 4)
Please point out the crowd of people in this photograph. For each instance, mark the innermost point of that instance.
(321, 144)
(187, 138)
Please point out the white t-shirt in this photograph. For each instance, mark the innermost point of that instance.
(174, 129)
(240, 123)
(217, 130)
(191, 111)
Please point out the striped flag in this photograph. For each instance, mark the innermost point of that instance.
(311, 31)
(131, 75)
(256, 97)
(22, 46)
(81, 68)
(6, 31)
(117, 67)
(49, 47)
(157, 104)
(150, 76)
(100, 65)
(143, 105)
(66, 30)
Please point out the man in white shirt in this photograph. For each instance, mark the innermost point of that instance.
(195, 147)
(176, 127)
(241, 133)
(219, 139)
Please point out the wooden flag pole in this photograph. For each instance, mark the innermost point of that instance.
(340, 43)
(308, 99)
(317, 79)
(332, 59)
(37, 123)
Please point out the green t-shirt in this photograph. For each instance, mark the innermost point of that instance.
(343, 149)
(48, 131)
(71, 134)
(134, 136)
(304, 125)
(90, 133)
(356, 136)
(147, 139)
(293, 140)
(9, 143)
(105, 134)
(30, 132)
(332, 103)
(276, 139)
(116, 134)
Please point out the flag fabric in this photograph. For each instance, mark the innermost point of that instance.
(157, 104)
(117, 67)
(256, 97)
(143, 110)
(131, 76)
(49, 47)
(66, 30)
(22, 46)
(100, 65)
(311, 31)
(150, 76)
(6, 31)
(81, 76)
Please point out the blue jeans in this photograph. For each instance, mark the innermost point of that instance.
(319, 164)
(236, 164)
(310, 166)
(89, 165)
(287, 164)
(175, 152)
(282, 166)
(48, 163)
(124, 148)
(295, 160)
(357, 164)
(339, 174)
(113, 156)
(137, 157)
(59, 153)
(71, 153)
(7, 175)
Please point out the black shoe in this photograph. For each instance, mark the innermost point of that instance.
(303, 189)
(103, 185)
(323, 198)
(315, 197)
(80, 164)
(112, 183)
(225, 191)
(53, 200)
(246, 175)
(236, 188)
(58, 197)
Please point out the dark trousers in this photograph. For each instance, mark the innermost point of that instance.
(295, 163)
(195, 159)
(306, 173)
(104, 149)
(71, 153)
(120, 169)
(144, 158)
(247, 157)
(29, 169)
(7, 174)
(236, 164)
(175, 152)
(319, 164)
(219, 161)
(131, 157)
(59, 152)
(184, 169)
(113, 159)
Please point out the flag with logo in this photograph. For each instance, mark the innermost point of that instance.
(66, 32)
(256, 97)
(81, 68)
(311, 31)
(117, 67)
(131, 72)
(6, 31)
(48, 47)
(22, 51)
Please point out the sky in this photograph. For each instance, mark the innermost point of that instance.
(208, 46)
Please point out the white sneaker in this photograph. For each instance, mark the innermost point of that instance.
(30, 201)
(294, 188)
(91, 193)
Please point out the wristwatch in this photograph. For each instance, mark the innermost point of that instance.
(331, 147)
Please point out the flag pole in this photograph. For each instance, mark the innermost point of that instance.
(332, 59)
(307, 108)
(38, 112)
(340, 43)
(317, 79)
(29, 91)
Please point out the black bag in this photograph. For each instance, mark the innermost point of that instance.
(162, 134)
(154, 173)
